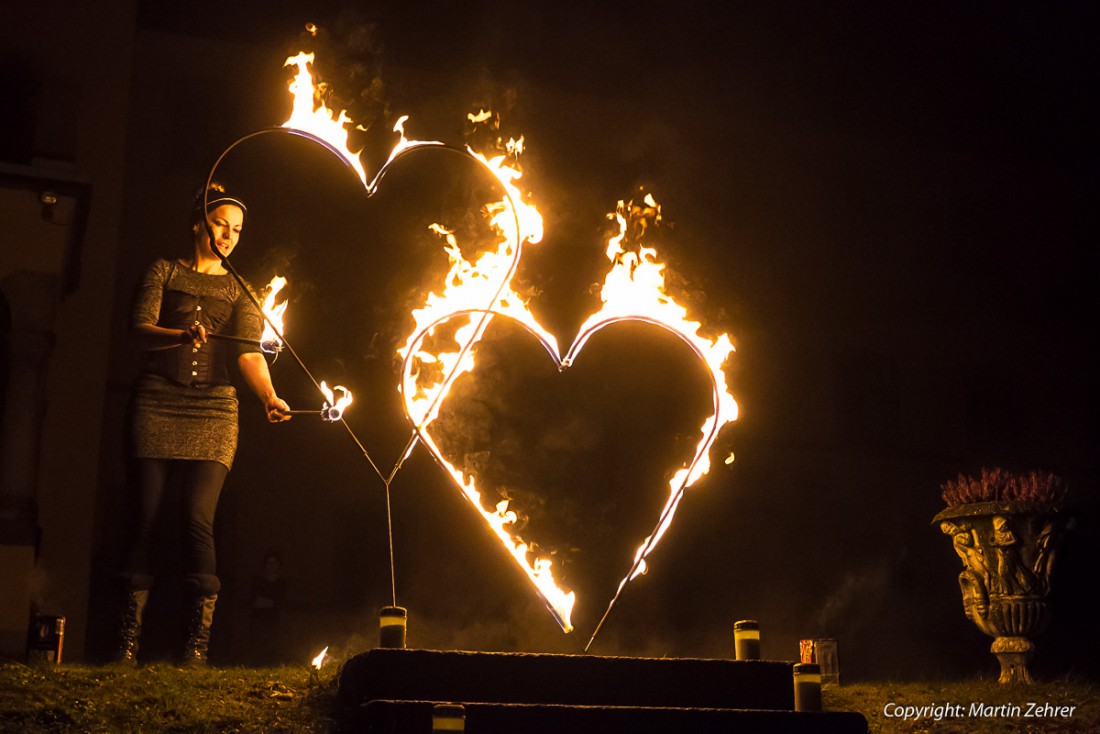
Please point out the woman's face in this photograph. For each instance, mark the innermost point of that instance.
(226, 221)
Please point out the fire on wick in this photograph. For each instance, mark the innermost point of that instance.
(333, 408)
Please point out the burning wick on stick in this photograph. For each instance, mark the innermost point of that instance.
(271, 341)
(333, 408)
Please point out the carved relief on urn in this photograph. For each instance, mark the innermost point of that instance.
(1005, 529)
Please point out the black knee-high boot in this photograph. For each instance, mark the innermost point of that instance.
(129, 627)
(128, 632)
(200, 617)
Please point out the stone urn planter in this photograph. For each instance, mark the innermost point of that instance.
(1006, 538)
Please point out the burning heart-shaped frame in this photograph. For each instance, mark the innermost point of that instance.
(633, 291)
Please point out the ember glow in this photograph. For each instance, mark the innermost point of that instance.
(271, 340)
(333, 408)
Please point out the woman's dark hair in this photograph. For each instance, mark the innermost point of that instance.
(216, 195)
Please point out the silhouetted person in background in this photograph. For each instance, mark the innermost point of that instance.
(265, 610)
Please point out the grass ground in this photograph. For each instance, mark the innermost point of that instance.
(286, 700)
(163, 698)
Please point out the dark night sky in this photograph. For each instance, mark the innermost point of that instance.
(884, 205)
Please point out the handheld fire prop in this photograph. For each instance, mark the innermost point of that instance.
(437, 352)
(332, 410)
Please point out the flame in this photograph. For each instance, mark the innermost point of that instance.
(333, 408)
(310, 114)
(403, 144)
(271, 339)
(320, 659)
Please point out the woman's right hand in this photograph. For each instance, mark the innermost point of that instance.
(195, 335)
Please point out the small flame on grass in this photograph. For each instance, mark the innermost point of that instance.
(319, 660)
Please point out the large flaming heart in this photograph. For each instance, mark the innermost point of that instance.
(633, 291)
(481, 291)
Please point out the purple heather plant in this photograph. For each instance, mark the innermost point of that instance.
(1001, 485)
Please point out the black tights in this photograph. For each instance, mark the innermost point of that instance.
(200, 485)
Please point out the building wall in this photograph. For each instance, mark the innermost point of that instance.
(73, 60)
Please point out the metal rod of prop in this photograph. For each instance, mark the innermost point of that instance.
(237, 339)
(389, 533)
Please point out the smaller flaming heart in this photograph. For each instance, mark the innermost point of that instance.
(633, 290)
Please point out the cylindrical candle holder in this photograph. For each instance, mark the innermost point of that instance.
(807, 687)
(746, 639)
(391, 627)
(448, 717)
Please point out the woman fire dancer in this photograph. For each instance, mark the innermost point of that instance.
(184, 411)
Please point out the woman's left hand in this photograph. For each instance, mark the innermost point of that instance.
(276, 409)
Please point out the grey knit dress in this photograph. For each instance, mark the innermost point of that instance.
(184, 406)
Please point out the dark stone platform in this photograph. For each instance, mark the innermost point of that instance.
(394, 691)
